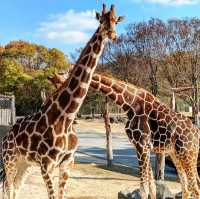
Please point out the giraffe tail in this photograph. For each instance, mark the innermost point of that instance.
(2, 175)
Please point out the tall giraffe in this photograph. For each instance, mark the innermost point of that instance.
(47, 138)
(153, 127)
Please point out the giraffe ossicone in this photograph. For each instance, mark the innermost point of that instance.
(153, 127)
(47, 138)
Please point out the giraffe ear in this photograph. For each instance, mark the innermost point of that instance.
(120, 19)
(98, 16)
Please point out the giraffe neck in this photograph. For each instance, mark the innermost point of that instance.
(115, 90)
(126, 96)
(67, 100)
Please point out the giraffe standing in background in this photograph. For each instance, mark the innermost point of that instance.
(47, 138)
(153, 127)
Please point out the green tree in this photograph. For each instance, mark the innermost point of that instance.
(24, 68)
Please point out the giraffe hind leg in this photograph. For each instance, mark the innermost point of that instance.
(9, 160)
(198, 180)
(182, 176)
(22, 172)
(9, 183)
(192, 181)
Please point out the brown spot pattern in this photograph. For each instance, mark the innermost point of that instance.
(48, 136)
(15, 129)
(52, 114)
(117, 89)
(60, 142)
(42, 148)
(72, 141)
(84, 60)
(95, 78)
(35, 139)
(80, 92)
(72, 107)
(91, 62)
(112, 96)
(36, 116)
(64, 99)
(58, 128)
(94, 85)
(106, 81)
(41, 125)
(105, 89)
(30, 127)
(73, 83)
(53, 153)
(96, 48)
(85, 77)
(23, 126)
(22, 139)
(119, 100)
(78, 71)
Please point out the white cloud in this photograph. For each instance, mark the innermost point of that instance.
(70, 27)
(170, 2)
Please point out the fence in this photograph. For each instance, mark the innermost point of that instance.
(7, 110)
(7, 117)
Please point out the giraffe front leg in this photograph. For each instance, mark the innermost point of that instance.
(64, 173)
(48, 175)
(152, 185)
(144, 161)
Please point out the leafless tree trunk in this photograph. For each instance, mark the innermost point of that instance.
(108, 135)
(195, 107)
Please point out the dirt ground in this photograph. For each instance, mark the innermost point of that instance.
(88, 181)
(98, 126)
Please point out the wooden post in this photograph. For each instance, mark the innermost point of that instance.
(109, 151)
(195, 107)
(160, 166)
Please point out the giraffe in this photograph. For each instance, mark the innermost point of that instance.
(47, 138)
(153, 127)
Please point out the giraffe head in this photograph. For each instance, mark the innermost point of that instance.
(56, 79)
(108, 21)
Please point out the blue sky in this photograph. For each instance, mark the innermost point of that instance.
(68, 24)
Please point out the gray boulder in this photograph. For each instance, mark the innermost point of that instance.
(163, 192)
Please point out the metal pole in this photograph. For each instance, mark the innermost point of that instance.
(13, 111)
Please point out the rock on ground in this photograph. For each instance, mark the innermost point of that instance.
(164, 191)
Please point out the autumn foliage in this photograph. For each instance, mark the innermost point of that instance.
(24, 68)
